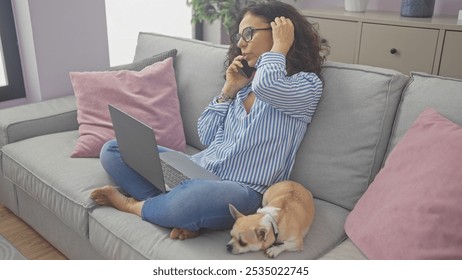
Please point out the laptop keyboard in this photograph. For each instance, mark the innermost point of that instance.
(172, 177)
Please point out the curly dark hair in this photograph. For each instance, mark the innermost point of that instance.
(306, 51)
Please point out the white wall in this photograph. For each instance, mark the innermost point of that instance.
(56, 37)
(125, 19)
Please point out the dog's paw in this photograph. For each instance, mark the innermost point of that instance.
(274, 251)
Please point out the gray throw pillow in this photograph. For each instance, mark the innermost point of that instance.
(141, 64)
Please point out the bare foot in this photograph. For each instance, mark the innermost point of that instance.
(110, 196)
(182, 234)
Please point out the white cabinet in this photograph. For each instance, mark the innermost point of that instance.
(339, 33)
(451, 58)
(402, 48)
(385, 39)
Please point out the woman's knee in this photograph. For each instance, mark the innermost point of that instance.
(109, 147)
(109, 150)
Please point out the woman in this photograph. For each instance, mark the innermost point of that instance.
(252, 129)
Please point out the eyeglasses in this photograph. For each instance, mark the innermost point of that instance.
(247, 34)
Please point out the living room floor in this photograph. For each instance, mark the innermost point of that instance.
(25, 239)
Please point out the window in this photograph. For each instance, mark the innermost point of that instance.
(125, 19)
(11, 79)
(3, 78)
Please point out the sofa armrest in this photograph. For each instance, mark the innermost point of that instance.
(35, 119)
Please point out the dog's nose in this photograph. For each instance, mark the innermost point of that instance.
(229, 247)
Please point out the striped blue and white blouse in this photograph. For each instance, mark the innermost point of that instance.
(258, 149)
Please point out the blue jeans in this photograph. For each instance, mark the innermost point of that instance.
(192, 205)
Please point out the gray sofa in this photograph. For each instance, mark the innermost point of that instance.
(362, 114)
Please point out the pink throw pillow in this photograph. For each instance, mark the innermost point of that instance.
(150, 95)
(412, 209)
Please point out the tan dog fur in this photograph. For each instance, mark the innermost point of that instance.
(287, 204)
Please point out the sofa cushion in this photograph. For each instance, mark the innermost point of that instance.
(412, 209)
(346, 250)
(149, 95)
(345, 144)
(42, 168)
(30, 120)
(143, 63)
(424, 91)
(149, 241)
(199, 74)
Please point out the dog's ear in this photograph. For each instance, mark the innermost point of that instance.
(234, 212)
(261, 233)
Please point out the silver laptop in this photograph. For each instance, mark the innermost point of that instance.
(138, 148)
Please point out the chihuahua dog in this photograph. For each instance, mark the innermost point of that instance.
(281, 225)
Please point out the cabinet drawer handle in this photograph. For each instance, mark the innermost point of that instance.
(393, 51)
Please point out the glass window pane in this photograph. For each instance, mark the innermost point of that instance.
(125, 19)
(11, 78)
(3, 79)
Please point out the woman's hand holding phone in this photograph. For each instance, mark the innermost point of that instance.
(247, 70)
(238, 75)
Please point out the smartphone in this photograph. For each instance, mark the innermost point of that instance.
(246, 70)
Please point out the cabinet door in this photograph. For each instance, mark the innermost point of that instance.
(451, 59)
(341, 36)
(401, 48)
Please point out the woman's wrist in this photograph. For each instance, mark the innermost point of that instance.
(224, 97)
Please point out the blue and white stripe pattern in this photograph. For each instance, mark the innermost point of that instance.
(258, 149)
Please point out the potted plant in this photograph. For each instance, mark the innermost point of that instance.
(226, 11)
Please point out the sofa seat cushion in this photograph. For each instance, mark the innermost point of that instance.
(42, 168)
(345, 143)
(138, 239)
(346, 250)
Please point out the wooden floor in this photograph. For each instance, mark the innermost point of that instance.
(25, 239)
